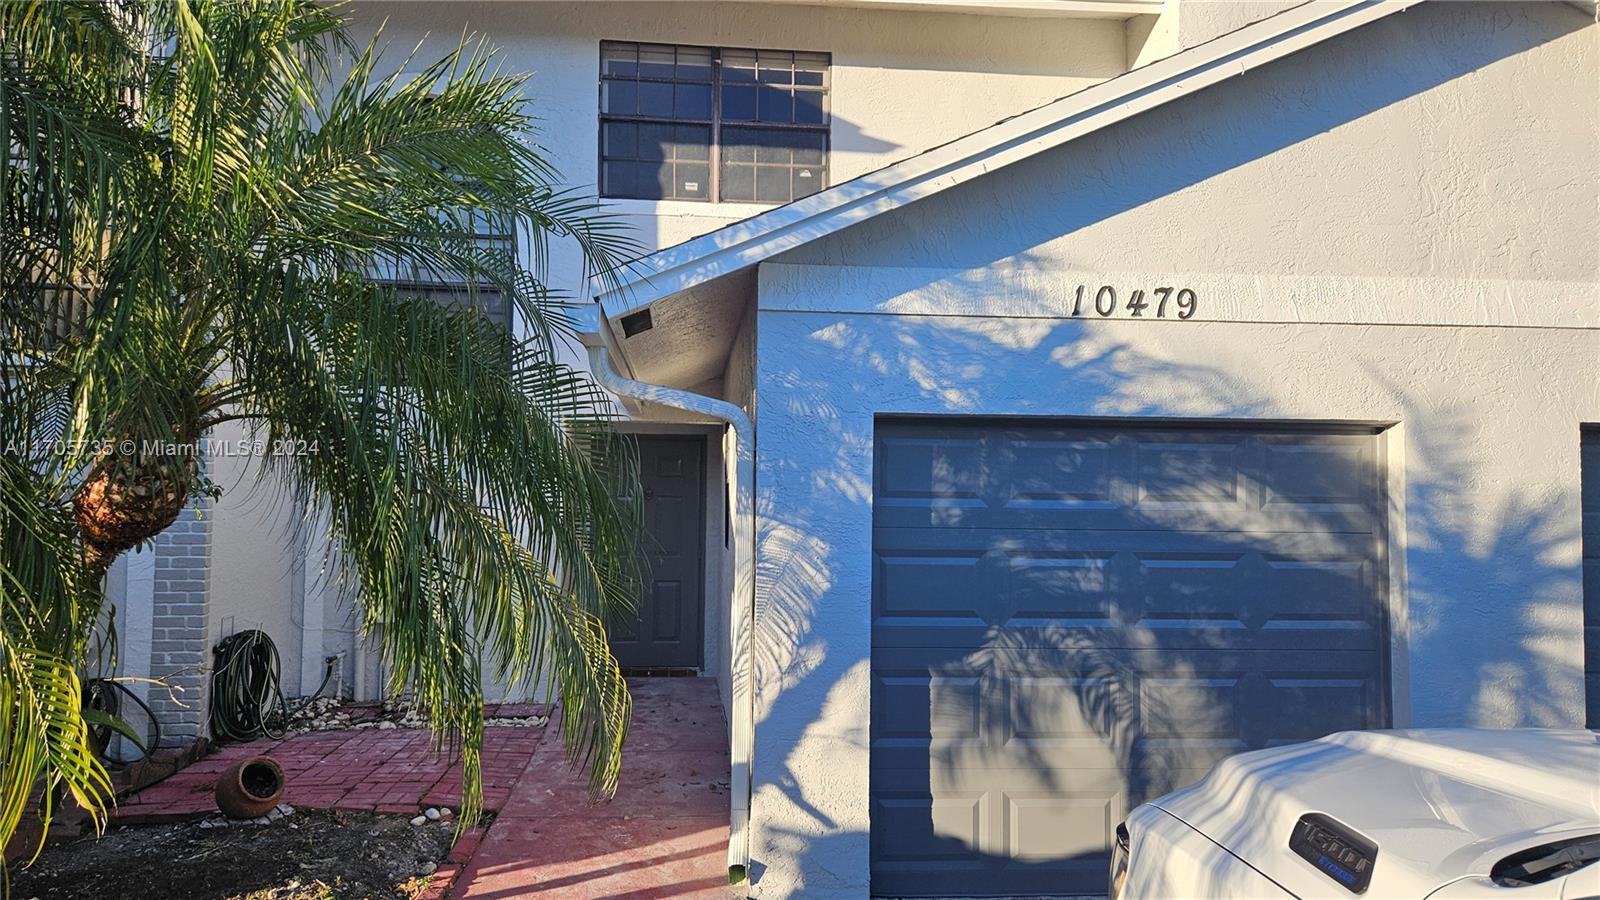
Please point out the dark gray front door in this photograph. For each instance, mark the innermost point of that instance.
(665, 631)
(1069, 620)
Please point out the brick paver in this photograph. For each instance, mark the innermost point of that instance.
(664, 836)
(391, 771)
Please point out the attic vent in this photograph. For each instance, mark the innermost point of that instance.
(637, 323)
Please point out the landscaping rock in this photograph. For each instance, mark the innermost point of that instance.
(432, 814)
(420, 820)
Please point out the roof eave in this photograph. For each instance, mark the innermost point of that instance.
(760, 237)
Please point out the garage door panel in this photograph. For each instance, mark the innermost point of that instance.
(930, 470)
(1190, 475)
(1061, 475)
(923, 705)
(1087, 618)
(933, 584)
(1151, 515)
(1325, 473)
(1152, 634)
(1078, 709)
(1200, 480)
(921, 828)
(1301, 708)
(982, 541)
(1275, 595)
(1049, 585)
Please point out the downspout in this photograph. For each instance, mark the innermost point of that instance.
(741, 718)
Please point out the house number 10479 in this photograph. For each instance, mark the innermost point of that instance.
(1161, 303)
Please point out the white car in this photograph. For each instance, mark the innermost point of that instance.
(1446, 814)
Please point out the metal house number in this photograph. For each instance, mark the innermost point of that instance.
(1160, 303)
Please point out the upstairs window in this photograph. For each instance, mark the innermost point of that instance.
(703, 123)
(411, 276)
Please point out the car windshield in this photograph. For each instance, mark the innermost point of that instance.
(1546, 862)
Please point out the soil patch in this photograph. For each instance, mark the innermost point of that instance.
(311, 855)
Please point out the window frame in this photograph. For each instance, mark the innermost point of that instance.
(716, 123)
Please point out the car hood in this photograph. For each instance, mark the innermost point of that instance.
(1439, 803)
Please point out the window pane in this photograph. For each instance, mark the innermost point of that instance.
(738, 181)
(621, 98)
(808, 180)
(656, 61)
(655, 99)
(619, 60)
(694, 64)
(655, 140)
(621, 140)
(617, 179)
(652, 179)
(739, 144)
(694, 180)
(694, 101)
(738, 65)
(775, 105)
(738, 103)
(810, 147)
(773, 147)
(772, 184)
(808, 108)
(776, 67)
(692, 142)
(809, 68)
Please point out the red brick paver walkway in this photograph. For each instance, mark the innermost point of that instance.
(664, 835)
(393, 771)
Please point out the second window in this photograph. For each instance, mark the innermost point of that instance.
(702, 123)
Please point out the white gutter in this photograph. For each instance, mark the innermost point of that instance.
(741, 718)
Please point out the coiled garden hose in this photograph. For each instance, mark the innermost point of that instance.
(247, 690)
(246, 693)
(121, 714)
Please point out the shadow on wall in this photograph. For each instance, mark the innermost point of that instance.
(1466, 566)
(1109, 680)
(1069, 623)
(1108, 173)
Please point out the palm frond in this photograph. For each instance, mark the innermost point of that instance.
(224, 202)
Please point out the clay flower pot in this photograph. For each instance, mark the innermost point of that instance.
(250, 788)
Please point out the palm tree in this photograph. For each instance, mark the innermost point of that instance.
(200, 197)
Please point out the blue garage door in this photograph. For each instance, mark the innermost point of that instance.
(1071, 619)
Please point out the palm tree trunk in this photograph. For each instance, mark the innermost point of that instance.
(132, 493)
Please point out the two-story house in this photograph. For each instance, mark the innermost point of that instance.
(1039, 400)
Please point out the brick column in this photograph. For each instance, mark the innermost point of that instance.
(179, 651)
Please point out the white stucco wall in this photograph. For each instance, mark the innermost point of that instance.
(901, 81)
(254, 582)
(1397, 227)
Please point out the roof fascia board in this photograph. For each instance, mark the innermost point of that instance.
(763, 236)
(1108, 9)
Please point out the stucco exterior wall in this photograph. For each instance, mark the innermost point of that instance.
(257, 587)
(1397, 227)
(901, 81)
